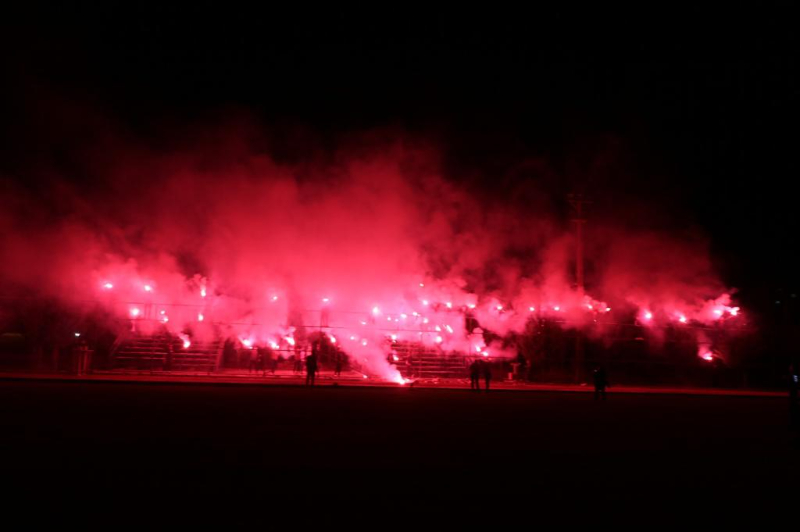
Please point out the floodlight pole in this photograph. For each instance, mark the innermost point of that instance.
(577, 201)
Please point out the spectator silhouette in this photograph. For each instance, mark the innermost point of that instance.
(311, 365)
(600, 382)
(486, 369)
(475, 375)
(338, 364)
(262, 361)
(522, 368)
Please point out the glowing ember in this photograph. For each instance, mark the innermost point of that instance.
(395, 358)
(273, 345)
(108, 286)
(325, 300)
(648, 315)
(449, 329)
(485, 353)
(248, 343)
(424, 301)
(425, 320)
(682, 319)
(163, 312)
(718, 312)
(734, 311)
(608, 309)
(289, 340)
(707, 356)
(439, 339)
(376, 310)
(438, 329)
(422, 285)
(589, 307)
(202, 292)
(449, 304)
(134, 312)
(471, 305)
(403, 316)
(531, 309)
(332, 338)
(499, 307)
(364, 341)
(393, 337)
(164, 319)
(274, 298)
(148, 288)
(556, 308)
(77, 334)
(200, 317)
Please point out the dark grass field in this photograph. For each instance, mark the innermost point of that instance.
(141, 447)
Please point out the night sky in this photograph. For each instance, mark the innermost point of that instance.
(685, 120)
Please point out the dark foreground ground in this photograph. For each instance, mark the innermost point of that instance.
(259, 450)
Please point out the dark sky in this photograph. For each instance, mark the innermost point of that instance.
(693, 111)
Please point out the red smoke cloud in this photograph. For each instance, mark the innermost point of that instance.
(374, 242)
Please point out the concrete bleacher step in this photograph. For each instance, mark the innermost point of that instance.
(150, 352)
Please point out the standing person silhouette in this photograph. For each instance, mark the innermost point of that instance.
(487, 373)
(475, 375)
(338, 364)
(600, 382)
(311, 365)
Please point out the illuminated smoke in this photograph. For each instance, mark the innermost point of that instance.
(374, 246)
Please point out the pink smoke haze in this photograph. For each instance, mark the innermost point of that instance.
(373, 246)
